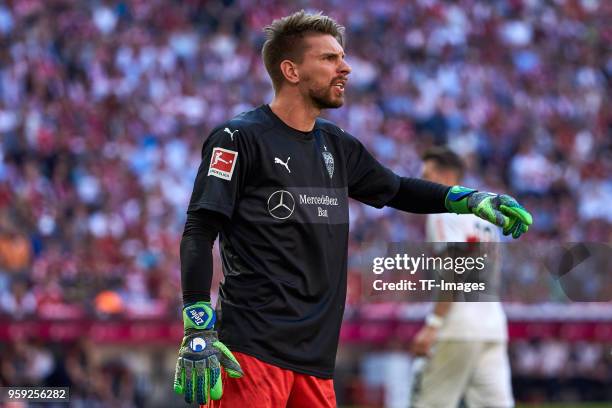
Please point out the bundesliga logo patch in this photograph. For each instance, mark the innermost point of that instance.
(222, 163)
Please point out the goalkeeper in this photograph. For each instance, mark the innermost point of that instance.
(274, 184)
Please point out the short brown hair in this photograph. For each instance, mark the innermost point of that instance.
(284, 39)
(445, 158)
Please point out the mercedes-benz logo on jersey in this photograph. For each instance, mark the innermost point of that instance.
(281, 204)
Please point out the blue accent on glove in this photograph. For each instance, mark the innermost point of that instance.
(456, 194)
(199, 315)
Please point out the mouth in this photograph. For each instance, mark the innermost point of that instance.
(339, 85)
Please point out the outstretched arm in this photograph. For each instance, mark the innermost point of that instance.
(425, 197)
(501, 210)
(420, 196)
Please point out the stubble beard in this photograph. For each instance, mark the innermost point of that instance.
(322, 98)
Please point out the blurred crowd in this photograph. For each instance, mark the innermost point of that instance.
(554, 370)
(542, 370)
(94, 381)
(104, 106)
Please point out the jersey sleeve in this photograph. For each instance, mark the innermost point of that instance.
(219, 179)
(368, 181)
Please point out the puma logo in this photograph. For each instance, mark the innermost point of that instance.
(230, 133)
(286, 164)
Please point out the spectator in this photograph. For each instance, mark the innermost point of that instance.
(20, 302)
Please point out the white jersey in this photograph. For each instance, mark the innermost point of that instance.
(469, 320)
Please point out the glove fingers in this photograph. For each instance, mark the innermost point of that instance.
(517, 212)
(520, 230)
(179, 376)
(232, 368)
(228, 361)
(516, 229)
(511, 227)
(189, 383)
(201, 388)
(216, 386)
(500, 219)
(487, 212)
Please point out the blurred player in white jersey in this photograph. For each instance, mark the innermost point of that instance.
(465, 343)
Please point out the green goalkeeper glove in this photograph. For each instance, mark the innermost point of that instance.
(501, 210)
(201, 356)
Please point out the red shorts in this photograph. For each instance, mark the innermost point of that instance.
(267, 386)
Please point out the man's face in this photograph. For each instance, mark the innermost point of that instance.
(323, 71)
(437, 174)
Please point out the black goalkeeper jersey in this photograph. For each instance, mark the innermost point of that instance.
(284, 250)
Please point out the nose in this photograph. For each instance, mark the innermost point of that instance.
(345, 68)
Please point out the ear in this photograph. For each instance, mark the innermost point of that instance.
(290, 71)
